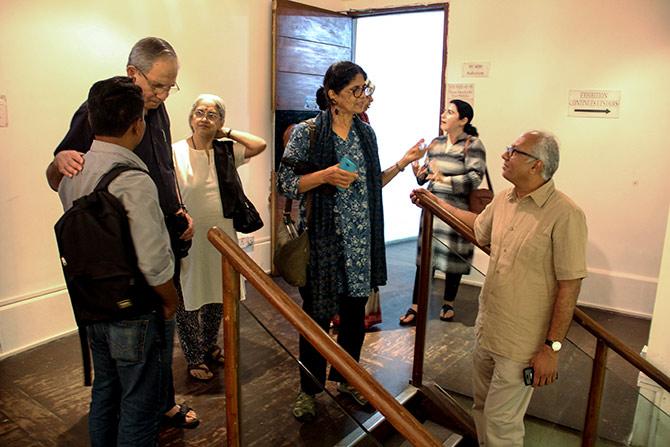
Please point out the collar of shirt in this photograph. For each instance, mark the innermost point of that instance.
(539, 196)
(121, 152)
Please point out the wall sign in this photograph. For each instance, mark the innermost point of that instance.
(465, 92)
(594, 103)
(476, 69)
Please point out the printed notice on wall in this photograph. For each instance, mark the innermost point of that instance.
(3, 111)
(464, 92)
(476, 69)
(594, 103)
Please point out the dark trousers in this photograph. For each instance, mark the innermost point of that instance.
(169, 344)
(451, 283)
(351, 333)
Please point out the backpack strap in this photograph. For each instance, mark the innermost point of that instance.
(85, 354)
(113, 173)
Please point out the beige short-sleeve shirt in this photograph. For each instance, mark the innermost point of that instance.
(535, 241)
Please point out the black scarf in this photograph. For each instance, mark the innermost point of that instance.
(326, 265)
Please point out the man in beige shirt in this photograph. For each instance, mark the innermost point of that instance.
(538, 259)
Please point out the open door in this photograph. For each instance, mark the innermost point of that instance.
(307, 40)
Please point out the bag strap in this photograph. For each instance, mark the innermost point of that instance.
(468, 141)
(113, 173)
(288, 204)
(85, 354)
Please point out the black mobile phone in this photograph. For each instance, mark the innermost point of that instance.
(528, 375)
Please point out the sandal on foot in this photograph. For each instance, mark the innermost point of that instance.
(215, 355)
(200, 372)
(404, 319)
(181, 419)
(447, 313)
(304, 407)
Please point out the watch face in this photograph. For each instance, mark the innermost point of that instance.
(556, 346)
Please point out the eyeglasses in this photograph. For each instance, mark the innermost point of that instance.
(368, 89)
(158, 88)
(211, 116)
(511, 150)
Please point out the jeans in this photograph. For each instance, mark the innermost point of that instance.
(129, 386)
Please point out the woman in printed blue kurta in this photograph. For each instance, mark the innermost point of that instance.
(346, 229)
(456, 165)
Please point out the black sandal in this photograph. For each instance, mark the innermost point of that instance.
(178, 420)
(447, 308)
(410, 313)
(215, 356)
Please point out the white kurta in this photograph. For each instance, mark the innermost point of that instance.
(201, 270)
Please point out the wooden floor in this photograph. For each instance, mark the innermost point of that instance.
(43, 402)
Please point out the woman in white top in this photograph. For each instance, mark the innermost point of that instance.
(199, 312)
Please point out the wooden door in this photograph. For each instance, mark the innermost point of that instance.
(307, 40)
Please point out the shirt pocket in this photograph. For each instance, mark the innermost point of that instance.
(534, 258)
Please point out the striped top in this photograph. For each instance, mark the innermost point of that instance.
(460, 173)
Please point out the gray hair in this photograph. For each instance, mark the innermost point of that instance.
(145, 52)
(546, 149)
(218, 103)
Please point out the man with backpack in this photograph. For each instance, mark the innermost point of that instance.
(153, 66)
(130, 386)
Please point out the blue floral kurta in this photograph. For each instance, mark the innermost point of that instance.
(352, 217)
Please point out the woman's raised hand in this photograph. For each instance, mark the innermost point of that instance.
(415, 152)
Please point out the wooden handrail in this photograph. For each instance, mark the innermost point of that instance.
(428, 201)
(612, 342)
(401, 419)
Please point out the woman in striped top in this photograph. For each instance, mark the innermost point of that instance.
(454, 166)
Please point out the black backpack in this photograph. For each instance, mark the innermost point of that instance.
(99, 262)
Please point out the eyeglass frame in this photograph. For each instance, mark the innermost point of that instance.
(157, 90)
(366, 89)
(511, 150)
(206, 114)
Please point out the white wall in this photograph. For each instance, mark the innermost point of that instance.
(52, 52)
(615, 169)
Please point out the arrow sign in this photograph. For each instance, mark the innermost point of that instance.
(594, 103)
(593, 110)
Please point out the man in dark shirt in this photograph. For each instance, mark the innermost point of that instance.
(153, 66)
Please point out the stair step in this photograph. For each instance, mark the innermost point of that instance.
(451, 438)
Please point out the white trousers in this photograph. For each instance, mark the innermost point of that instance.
(500, 399)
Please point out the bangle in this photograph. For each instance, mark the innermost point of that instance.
(229, 131)
(397, 165)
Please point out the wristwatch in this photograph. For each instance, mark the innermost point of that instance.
(555, 345)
